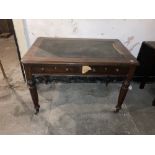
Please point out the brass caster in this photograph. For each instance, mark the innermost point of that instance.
(117, 110)
(37, 110)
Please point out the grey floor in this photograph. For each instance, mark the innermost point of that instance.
(70, 108)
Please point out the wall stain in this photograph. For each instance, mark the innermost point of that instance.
(134, 46)
(33, 34)
(74, 25)
(129, 40)
(75, 29)
(72, 21)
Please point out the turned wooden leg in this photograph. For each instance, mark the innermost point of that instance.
(3, 72)
(34, 95)
(124, 89)
(122, 95)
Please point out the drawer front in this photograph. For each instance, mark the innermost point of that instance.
(108, 70)
(56, 69)
(78, 70)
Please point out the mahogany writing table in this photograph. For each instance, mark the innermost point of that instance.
(78, 57)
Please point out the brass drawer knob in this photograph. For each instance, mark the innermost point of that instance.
(117, 70)
(42, 68)
(94, 70)
(55, 68)
(105, 68)
(67, 69)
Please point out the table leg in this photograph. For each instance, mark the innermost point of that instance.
(124, 90)
(3, 72)
(34, 95)
(122, 95)
(153, 102)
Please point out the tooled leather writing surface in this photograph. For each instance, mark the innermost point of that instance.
(77, 50)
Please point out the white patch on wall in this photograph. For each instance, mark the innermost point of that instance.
(130, 32)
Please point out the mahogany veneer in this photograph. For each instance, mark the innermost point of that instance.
(78, 57)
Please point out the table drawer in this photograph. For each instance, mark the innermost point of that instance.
(78, 70)
(108, 70)
(56, 69)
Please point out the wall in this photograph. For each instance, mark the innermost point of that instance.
(21, 35)
(130, 32)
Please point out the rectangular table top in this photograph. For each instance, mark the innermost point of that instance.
(77, 50)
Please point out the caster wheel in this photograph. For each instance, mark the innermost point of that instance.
(117, 110)
(37, 110)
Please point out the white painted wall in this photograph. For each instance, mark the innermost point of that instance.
(130, 32)
(21, 35)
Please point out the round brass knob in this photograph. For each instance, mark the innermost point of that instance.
(105, 68)
(117, 70)
(94, 70)
(67, 69)
(55, 68)
(42, 68)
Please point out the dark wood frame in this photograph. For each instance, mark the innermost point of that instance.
(70, 67)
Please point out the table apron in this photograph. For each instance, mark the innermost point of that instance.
(78, 70)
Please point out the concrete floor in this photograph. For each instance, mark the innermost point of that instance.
(70, 108)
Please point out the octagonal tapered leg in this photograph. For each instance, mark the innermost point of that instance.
(122, 95)
(34, 95)
(124, 89)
